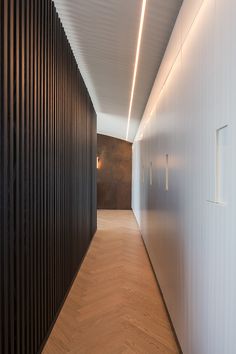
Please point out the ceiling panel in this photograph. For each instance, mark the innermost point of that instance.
(103, 36)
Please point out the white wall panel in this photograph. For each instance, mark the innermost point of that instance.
(190, 238)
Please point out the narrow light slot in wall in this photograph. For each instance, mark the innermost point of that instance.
(167, 173)
(221, 168)
(150, 173)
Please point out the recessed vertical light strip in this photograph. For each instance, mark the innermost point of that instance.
(136, 63)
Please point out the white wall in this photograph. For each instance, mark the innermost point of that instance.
(190, 238)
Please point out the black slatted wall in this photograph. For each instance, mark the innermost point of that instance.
(48, 169)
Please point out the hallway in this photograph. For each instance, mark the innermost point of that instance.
(114, 305)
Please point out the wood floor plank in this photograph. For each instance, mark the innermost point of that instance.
(114, 306)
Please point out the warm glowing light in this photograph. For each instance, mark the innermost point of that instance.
(98, 164)
(136, 64)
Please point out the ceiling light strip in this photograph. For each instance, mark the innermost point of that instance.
(136, 64)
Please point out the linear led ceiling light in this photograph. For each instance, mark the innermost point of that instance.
(136, 63)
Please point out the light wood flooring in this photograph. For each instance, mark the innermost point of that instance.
(114, 306)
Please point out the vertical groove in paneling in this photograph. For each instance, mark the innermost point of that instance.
(48, 172)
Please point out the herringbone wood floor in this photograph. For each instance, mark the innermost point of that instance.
(114, 306)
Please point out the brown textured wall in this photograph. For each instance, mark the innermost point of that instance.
(114, 173)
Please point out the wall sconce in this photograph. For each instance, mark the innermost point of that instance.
(98, 162)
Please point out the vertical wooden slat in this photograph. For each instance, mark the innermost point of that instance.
(22, 175)
(5, 254)
(17, 178)
(34, 221)
(27, 176)
(31, 174)
(11, 171)
(11, 220)
(1, 176)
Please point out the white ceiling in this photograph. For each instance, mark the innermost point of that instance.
(103, 36)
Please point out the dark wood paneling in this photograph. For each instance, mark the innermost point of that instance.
(48, 172)
(114, 174)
